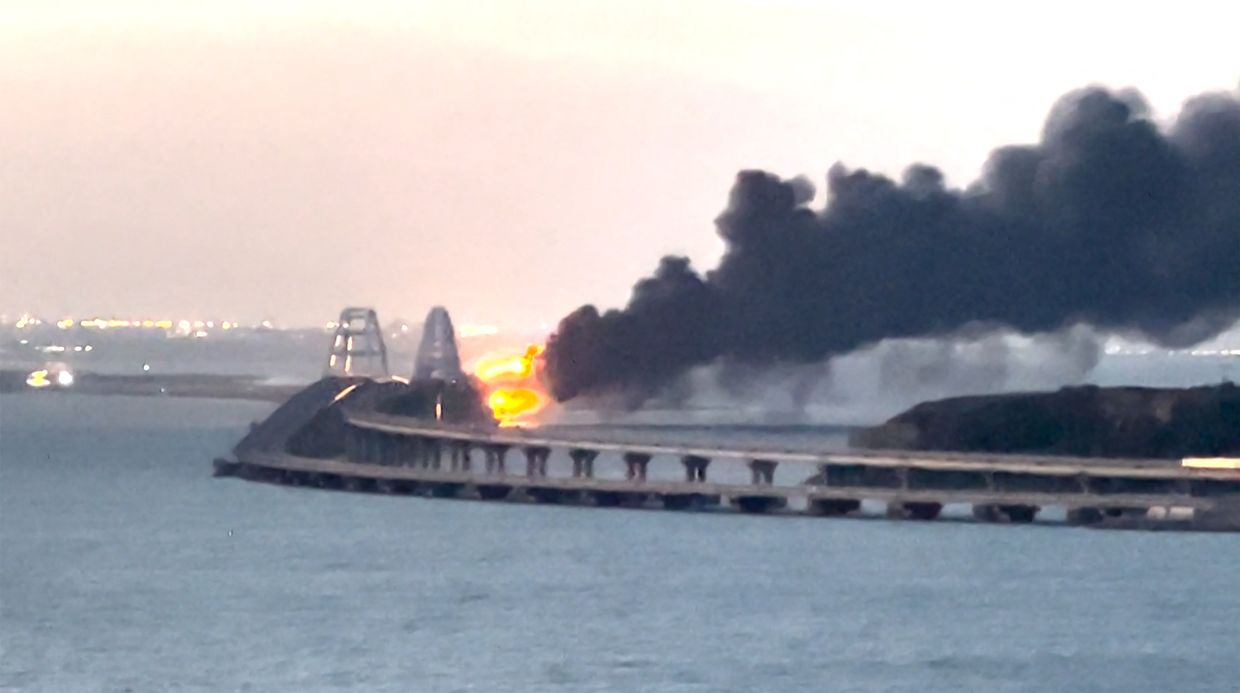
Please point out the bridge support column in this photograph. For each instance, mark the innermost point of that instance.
(418, 448)
(495, 458)
(914, 511)
(536, 460)
(833, 507)
(583, 462)
(401, 448)
(459, 452)
(350, 443)
(436, 453)
(379, 451)
(1084, 516)
(396, 449)
(695, 468)
(635, 464)
(387, 449)
(762, 472)
(1005, 513)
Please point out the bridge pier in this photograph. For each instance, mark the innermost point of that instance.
(358, 450)
(762, 472)
(635, 464)
(359, 484)
(495, 459)
(1084, 516)
(688, 501)
(439, 489)
(370, 450)
(436, 453)
(536, 460)
(454, 455)
(374, 448)
(396, 450)
(758, 504)
(914, 511)
(695, 468)
(387, 449)
(353, 443)
(330, 482)
(617, 499)
(549, 495)
(419, 449)
(493, 491)
(833, 507)
(1017, 514)
(583, 462)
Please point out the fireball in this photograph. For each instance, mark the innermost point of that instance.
(509, 403)
(511, 382)
(503, 367)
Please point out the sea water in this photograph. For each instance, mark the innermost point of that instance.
(124, 566)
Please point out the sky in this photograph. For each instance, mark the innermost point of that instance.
(509, 160)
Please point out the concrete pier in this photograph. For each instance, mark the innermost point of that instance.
(395, 455)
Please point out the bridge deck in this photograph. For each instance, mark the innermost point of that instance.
(937, 461)
(375, 472)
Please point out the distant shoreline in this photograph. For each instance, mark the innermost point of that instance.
(198, 385)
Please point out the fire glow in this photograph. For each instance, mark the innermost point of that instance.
(512, 389)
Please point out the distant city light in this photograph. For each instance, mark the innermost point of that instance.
(1211, 462)
(38, 379)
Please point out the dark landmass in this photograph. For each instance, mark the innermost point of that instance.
(1078, 421)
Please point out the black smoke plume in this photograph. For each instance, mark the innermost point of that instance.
(1108, 221)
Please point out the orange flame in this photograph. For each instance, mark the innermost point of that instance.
(510, 403)
(505, 367)
(513, 391)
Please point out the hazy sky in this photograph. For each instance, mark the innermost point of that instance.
(510, 160)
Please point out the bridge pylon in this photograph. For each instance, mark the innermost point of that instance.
(357, 348)
(438, 357)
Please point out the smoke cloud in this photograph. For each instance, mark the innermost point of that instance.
(1109, 221)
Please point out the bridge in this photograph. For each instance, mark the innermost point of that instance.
(392, 454)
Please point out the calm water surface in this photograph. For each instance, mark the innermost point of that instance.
(125, 566)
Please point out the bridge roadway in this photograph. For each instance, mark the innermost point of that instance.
(394, 454)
